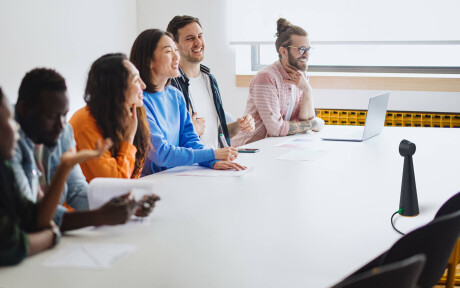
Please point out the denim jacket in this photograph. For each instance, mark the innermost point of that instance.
(27, 173)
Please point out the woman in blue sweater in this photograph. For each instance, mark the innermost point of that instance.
(174, 140)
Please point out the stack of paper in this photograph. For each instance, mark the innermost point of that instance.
(207, 172)
(101, 190)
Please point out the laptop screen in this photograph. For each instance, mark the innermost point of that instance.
(376, 113)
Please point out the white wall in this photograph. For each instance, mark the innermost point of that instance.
(219, 55)
(69, 35)
(64, 35)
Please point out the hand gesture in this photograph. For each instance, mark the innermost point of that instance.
(198, 124)
(317, 124)
(246, 123)
(131, 124)
(227, 154)
(298, 79)
(228, 165)
(146, 205)
(118, 210)
(70, 158)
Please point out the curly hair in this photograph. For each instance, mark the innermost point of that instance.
(284, 31)
(36, 81)
(105, 97)
(142, 53)
(179, 22)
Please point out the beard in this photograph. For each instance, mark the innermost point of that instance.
(295, 62)
(50, 140)
(193, 59)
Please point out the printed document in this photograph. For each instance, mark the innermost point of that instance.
(101, 190)
(296, 143)
(197, 170)
(302, 155)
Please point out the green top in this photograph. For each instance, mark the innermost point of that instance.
(18, 216)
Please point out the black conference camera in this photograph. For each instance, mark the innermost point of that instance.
(406, 148)
(408, 205)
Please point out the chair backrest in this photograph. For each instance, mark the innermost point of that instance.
(452, 205)
(435, 240)
(402, 274)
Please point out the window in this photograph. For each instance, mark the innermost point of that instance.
(353, 36)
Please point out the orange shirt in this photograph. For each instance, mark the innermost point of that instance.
(86, 134)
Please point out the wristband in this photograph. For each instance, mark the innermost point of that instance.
(56, 235)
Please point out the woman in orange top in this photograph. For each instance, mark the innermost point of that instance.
(114, 110)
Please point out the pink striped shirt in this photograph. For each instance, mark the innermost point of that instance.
(268, 103)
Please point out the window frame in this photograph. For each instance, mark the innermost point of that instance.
(256, 65)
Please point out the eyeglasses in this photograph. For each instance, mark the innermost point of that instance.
(303, 49)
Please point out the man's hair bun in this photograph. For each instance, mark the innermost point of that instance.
(281, 26)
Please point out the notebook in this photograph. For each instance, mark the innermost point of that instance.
(375, 121)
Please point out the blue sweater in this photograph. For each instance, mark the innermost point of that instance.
(174, 141)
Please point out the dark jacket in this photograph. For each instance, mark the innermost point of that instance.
(182, 83)
(18, 216)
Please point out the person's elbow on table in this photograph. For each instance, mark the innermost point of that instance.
(317, 124)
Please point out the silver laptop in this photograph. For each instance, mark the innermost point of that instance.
(375, 120)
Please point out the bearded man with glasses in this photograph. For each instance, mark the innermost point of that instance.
(280, 96)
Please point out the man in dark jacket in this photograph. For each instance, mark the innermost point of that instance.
(200, 88)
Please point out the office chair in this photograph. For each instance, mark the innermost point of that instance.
(402, 274)
(452, 205)
(435, 240)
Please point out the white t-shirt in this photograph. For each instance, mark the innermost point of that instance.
(203, 103)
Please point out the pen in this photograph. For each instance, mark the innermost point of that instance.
(223, 140)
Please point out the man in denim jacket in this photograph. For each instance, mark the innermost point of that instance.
(28, 174)
(41, 112)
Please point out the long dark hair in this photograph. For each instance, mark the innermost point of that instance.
(142, 53)
(104, 95)
(284, 31)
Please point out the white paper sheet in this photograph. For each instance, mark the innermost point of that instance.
(302, 155)
(207, 172)
(297, 142)
(88, 255)
(101, 190)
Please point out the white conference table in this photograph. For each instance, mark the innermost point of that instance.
(285, 224)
